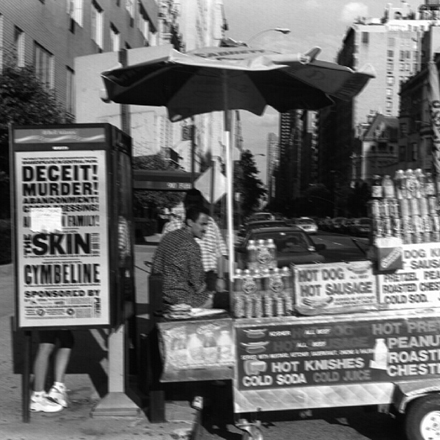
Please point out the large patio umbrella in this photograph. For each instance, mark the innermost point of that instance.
(230, 78)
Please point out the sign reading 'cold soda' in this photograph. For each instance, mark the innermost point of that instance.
(417, 284)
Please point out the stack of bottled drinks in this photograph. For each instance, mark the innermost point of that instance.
(265, 293)
(406, 208)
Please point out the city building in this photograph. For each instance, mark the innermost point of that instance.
(393, 46)
(50, 34)
(273, 161)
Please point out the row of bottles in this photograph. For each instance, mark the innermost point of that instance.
(265, 293)
(406, 208)
(261, 254)
(202, 349)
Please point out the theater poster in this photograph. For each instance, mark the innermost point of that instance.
(61, 218)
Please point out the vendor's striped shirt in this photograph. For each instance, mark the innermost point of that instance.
(178, 260)
(212, 245)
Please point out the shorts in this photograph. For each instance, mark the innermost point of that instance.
(65, 337)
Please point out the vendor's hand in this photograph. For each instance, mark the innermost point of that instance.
(220, 285)
(209, 303)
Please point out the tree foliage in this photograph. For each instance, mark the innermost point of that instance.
(24, 100)
(156, 199)
(250, 187)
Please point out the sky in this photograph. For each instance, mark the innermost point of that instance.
(312, 23)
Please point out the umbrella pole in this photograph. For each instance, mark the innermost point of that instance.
(229, 208)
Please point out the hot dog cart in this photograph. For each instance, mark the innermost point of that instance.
(326, 335)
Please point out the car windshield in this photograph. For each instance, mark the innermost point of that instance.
(305, 221)
(287, 242)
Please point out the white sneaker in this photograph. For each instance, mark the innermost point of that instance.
(44, 404)
(58, 393)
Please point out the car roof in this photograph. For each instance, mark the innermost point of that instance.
(278, 229)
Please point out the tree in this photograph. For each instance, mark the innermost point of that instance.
(154, 199)
(24, 100)
(247, 184)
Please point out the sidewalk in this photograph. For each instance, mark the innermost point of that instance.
(86, 384)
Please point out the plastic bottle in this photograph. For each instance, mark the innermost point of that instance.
(252, 254)
(411, 184)
(195, 349)
(273, 253)
(210, 348)
(388, 187)
(238, 280)
(376, 187)
(429, 185)
(380, 355)
(263, 255)
(400, 184)
(225, 348)
(288, 289)
(420, 188)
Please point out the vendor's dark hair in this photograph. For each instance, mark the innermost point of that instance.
(193, 213)
(193, 197)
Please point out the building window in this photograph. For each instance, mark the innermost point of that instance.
(70, 91)
(44, 65)
(365, 36)
(413, 157)
(389, 91)
(390, 80)
(115, 38)
(97, 24)
(19, 46)
(389, 104)
(402, 67)
(390, 53)
(402, 153)
(75, 10)
(402, 55)
(390, 67)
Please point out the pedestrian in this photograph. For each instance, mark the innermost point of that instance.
(178, 259)
(212, 245)
(56, 399)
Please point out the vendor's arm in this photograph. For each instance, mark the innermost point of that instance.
(221, 252)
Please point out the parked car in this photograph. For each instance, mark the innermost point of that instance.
(293, 246)
(244, 229)
(257, 216)
(307, 224)
(337, 224)
(361, 227)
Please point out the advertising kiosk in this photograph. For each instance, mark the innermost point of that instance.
(72, 224)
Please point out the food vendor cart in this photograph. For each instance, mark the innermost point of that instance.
(354, 334)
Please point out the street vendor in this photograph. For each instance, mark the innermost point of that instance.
(178, 259)
(212, 245)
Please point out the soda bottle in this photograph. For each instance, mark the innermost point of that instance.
(397, 227)
(420, 188)
(376, 187)
(429, 185)
(252, 254)
(273, 253)
(417, 228)
(411, 184)
(388, 187)
(404, 207)
(407, 230)
(400, 184)
(423, 206)
(239, 305)
(427, 228)
(432, 205)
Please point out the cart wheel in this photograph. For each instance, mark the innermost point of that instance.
(423, 418)
(252, 433)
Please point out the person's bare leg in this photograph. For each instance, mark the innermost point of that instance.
(61, 362)
(41, 365)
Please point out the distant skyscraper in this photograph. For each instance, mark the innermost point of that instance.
(273, 152)
(392, 45)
